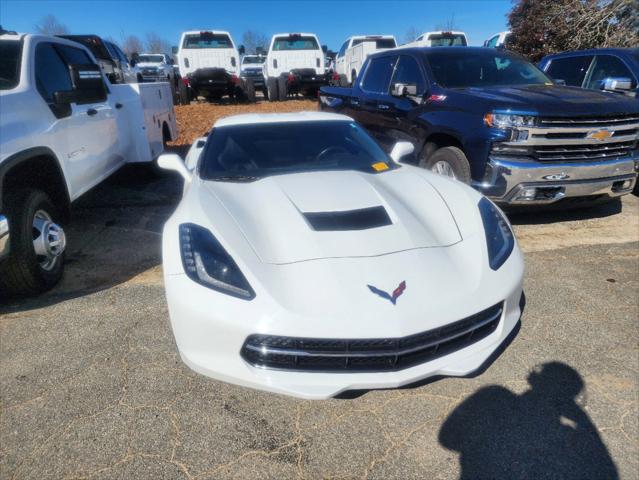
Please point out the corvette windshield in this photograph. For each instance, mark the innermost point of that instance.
(248, 152)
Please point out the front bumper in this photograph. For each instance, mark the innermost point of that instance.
(525, 181)
(210, 330)
(306, 79)
(4, 237)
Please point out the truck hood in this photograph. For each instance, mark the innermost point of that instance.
(273, 214)
(548, 100)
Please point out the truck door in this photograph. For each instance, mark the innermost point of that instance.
(400, 119)
(84, 134)
(374, 101)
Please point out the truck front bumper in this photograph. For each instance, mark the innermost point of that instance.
(525, 181)
(4, 237)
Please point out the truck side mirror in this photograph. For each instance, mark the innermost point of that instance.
(242, 50)
(401, 149)
(403, 90)
(324, 48)
(172, 161)
(617, 84)
(174, 50)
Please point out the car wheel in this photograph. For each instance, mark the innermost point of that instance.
(271, 87)
(249, 91)
(282, 88)
(37, 242)
(449, 162)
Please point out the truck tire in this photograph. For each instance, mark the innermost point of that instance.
(271, 87)
(184, 94)
(450, 162)
(249, 91)
(282, 88)
(32, 221)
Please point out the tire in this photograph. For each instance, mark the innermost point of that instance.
(249, 91)
(451, 160)
(271, 87)
(184, 94)
(23, 273)
(282, 88)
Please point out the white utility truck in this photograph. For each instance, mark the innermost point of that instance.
(65, 128)
(351, 56)
(439, 39)
(210, 64)
(294, 64)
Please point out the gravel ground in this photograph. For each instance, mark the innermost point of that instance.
(92, 385)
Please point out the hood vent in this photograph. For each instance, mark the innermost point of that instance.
(361, 219)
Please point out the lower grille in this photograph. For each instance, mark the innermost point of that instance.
(582, 152)
(371, 354)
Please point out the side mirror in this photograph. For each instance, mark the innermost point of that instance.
(623, 84)
(403, 90)
(242, 50)
(174, 50)
(172, 161)
(132, 62)
(401, 149)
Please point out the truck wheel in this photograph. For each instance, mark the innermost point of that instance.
(36, 258)
(450, 162)
(249, 91)
(184, 94)
(271, 87)
(282, 88)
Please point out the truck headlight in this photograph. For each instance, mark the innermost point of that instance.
(500, 240)
(509, 120)
(206, 262)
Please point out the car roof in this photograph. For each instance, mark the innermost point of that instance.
(592, 51)
(259, 118)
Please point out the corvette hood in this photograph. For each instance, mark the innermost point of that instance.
(278, 215)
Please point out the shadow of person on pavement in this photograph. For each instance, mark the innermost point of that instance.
(542, 433)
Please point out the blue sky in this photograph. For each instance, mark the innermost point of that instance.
(332, 21)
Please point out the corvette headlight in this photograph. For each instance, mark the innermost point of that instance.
(499, 237)
(509, 120)
(206, 262)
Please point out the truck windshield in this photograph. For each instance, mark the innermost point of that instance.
(10, 52)
(150, 58)
(253, 60)
(207, 40)
(248, 152)
(295, 42)
(447, 40)
(483, 68)
(380, 43)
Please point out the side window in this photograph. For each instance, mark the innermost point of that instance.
(378, 74)
(74, 55)
(52, 74)
(343, 49)
(607, 66)
(407, 71)
(492, 43)
(572, 70)
(121, 54)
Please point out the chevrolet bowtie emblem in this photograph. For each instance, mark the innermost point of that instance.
(600, 135)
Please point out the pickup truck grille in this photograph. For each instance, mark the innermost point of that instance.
(582, 152)
(589, 122)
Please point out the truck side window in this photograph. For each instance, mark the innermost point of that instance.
(378, 75)
(572, 70)
(408, 72)
(608, 66)
(343, 49)
(52, 74)
(74, 55)
(492, 43)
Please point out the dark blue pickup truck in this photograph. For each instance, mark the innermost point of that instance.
(492, 119)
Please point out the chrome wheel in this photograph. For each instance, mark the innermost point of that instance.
(49, 241)
(444, 168)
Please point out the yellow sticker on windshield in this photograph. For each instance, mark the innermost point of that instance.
(380, 166)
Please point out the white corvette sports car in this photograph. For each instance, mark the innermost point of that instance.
(304, 260)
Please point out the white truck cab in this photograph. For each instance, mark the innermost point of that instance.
(154, 67)
(440, 39)
(294, 64)
(498, 40)
(355, 50)
(210, 63)
(65, 128)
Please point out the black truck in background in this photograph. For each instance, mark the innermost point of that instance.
(492, 119)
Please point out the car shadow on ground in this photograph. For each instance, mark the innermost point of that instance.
(557, 214)
(542, 433)
(114, 235)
